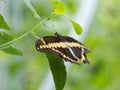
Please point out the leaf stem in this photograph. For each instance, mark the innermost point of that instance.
(10, 42)
(29, 32)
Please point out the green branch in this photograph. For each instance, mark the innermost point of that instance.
(29, 32)
(10, 42)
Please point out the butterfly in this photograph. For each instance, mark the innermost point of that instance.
(65, 47)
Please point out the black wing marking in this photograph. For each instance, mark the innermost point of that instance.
(79, 52)
(47, 44)
(65, 54)
(62, 52)
(51, 39)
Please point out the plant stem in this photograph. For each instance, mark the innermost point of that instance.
(34, 35)
(10, 42)
(29, 32)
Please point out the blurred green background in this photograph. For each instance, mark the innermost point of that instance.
(27, 72)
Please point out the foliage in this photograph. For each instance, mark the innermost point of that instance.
(58, 70)
(34, 13)
(3, 24)
(103, 40)
(28, 72)
(7, 41)
(76, 26)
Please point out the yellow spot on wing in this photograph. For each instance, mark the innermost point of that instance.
(43, 41)
(40, 46)
(82, 54)
(60, 45)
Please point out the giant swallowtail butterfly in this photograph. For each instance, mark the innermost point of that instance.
(65, 47)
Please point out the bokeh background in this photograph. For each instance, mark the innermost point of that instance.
(28, 72)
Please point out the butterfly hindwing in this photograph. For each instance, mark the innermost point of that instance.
(80, 50)
(66, 55)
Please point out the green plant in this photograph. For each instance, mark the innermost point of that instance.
(7, 41)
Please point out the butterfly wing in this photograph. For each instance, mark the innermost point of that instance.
(80, 50)
(51, 44)
(60, 45)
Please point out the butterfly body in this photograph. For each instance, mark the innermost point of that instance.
(66, 47)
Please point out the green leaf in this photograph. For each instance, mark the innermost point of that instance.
(58, 70)
(59, 7)
(4, 37)
(33, 11)
(12, 50)
(3, 24)
(77, 27)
